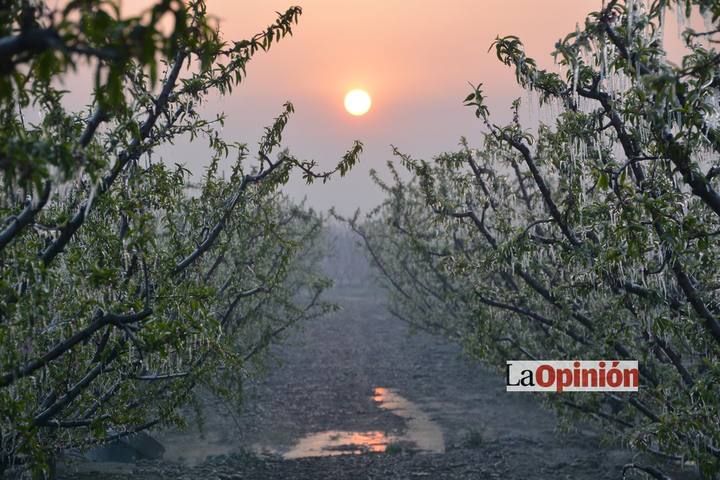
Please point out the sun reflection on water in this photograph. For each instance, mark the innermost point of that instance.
(336, 442)
(421, 432)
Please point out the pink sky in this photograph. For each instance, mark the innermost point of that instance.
(414, 57)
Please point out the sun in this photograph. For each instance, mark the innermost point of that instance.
(357, 102)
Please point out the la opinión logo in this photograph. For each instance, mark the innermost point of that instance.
(572, 376)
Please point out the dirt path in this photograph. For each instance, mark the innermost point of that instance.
(326, 381)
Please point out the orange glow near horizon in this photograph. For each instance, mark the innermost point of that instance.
(413, 56)
(417, 60)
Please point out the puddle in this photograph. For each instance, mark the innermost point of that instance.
(421, 429)
(421, 432)
(335, 442)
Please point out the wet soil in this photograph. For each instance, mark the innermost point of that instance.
(325, 380)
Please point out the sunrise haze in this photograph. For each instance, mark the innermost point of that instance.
(415, 58)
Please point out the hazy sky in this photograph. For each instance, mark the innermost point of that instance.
(415, 58)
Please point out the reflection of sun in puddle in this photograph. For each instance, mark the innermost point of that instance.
(422, 432)
(421, 429)
(335, 442)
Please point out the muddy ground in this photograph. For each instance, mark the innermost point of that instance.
(325, 381)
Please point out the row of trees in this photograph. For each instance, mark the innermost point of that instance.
(593, 237)
(124, 285)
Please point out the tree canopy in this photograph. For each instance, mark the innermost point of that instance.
(593, 236)
(124, 282)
